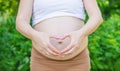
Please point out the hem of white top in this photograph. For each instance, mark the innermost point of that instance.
(56, 15)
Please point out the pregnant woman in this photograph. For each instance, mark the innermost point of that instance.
(59, 35)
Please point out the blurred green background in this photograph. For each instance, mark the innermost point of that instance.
(104, 43)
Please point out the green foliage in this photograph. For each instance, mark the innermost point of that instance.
(14, 48)
(8, 7)
(104, 43)
(109, 7)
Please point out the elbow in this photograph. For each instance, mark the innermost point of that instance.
(101, 19)
(22, 25)
(17, 25)
(97, 16)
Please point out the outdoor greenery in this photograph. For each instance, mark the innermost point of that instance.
(104, 43)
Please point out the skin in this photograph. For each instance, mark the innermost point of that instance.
(41, 39)
(59, 26)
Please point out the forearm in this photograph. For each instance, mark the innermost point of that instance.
(95, 17)
(23, 18)
(25, 29)
(92, 24)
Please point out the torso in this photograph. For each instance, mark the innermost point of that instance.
(58, 26)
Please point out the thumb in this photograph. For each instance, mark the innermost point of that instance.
(57, 37)
(66, 35)
(51, 35)
(44, 43)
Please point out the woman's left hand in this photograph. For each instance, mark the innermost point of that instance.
(77, 37)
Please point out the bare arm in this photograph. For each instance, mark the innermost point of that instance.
(40, 41)
(95, 17)
(94, 21)
(23, 18)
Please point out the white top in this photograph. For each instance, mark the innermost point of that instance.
(44, 9)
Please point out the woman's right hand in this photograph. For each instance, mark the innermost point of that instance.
(41, 42)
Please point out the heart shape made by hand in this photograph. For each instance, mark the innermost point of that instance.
(60, 44)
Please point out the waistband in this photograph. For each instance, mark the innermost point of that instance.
(81, 58)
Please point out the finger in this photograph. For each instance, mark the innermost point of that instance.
(56, 37)
(53, 48)
(50, 52)
(65, 36)
(68, 48)
(52, 36)
(46, 47)
(71, 50)
(61, 55)
(47, 51)
(71, 45)
(44, 44)
(60, 37)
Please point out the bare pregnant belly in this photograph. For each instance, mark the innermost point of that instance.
(58, 26)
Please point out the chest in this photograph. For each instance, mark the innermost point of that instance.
(59, 4)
